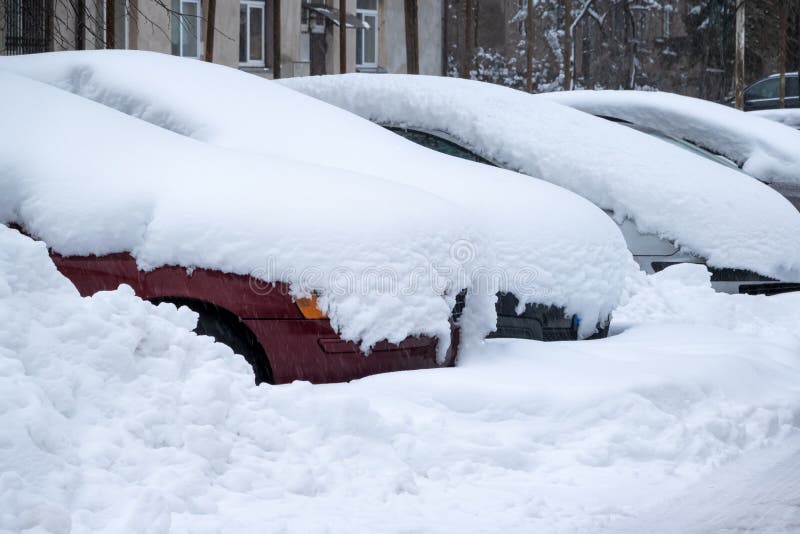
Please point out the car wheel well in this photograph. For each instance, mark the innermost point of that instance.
(227, 328)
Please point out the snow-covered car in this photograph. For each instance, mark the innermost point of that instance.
(316, 262)
(787, 117)
(237, 237)
(763, 149)
(557, 262)
(673, 206)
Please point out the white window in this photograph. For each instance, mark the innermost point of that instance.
(251, 33)
(367, 38)
(185, 26)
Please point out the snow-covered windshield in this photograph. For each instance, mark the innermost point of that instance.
(682, 143)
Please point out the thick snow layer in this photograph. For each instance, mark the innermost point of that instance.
(87, 179)
(545, 244)
(117, 419)
(712, 211)
(761, 148)
(790, 117)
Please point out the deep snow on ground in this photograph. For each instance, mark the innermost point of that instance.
(115, 418)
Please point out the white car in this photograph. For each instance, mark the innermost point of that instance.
(788, 117)
(557, 261)
(761, 148)
(673, 206)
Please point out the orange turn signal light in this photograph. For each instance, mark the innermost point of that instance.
(308, 307)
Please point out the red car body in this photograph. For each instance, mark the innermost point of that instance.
(296, 348)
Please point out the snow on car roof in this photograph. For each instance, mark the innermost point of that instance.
(761, 148)
(789, 117)
(87, 179)
(722, 215)
(546, 244)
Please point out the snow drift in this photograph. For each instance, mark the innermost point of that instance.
(542, 243)
(761, 148)
(714, 212)
(118, 419)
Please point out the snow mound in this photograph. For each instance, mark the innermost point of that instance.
(683, 294)
(116, 418)
(714, 212)
(171, 200)
(761, 148)
(542, 243)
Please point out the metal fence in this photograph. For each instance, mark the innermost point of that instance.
(28, 26)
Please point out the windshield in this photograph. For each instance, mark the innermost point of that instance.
(438, 143)
(682, 143)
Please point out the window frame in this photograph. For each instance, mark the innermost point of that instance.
(361, 14)
(259, 4)
(178, 19)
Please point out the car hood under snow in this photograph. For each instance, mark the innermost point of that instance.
(715, 212)
(228, 186)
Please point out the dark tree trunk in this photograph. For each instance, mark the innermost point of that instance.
(412, 37)
(111, 18)
(783, 13)
(567, 45)
(210, 24)
(469, 40)
(80, 25)
(276, 39)
(529, 48)
(342, 36)
(738, 77)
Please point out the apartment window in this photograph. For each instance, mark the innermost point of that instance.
(367, 38)
(251, 33)
(185, 26)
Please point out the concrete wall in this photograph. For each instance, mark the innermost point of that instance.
(392, 36)
(430, 37)
(226, 40)
(150, 28)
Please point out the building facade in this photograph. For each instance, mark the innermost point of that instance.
(243, 32)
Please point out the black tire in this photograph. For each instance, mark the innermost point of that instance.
(226, 328)
(602, 332)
